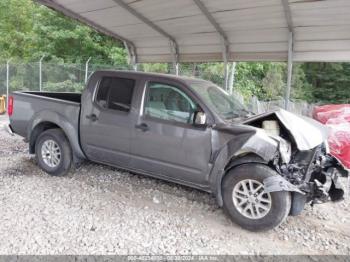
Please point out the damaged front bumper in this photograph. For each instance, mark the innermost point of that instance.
(302, 159)
(312, 176)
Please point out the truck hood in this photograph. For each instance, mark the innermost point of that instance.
(307, 132)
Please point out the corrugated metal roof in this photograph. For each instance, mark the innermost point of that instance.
(255, 29)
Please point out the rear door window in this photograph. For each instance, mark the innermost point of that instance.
(115, 93)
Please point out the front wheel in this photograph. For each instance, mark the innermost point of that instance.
(53, 152)
(246, 202)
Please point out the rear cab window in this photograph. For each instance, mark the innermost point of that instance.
(115, 93)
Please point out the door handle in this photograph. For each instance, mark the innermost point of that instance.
(144, 127)
(92, 117)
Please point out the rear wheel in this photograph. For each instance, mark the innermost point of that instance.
(246, 202)
(53, 152)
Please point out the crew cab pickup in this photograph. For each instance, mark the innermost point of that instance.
(188, 131)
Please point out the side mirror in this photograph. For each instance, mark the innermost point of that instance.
(200, 118)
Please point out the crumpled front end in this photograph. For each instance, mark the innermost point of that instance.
(303, 161)
(314, 174)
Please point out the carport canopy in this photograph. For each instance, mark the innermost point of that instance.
(220, 30)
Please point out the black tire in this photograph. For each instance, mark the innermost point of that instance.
(60, 139)
(280, 201)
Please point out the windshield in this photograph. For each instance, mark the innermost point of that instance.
(227, 106)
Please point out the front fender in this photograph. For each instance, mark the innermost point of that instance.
(244, 148)
(68, 128)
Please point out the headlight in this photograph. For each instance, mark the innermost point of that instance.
(285, 149)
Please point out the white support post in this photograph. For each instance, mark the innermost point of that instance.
(175, 53)
(132, 59)
(232, 77)
(177, 67)
(226, 75)
(7, 81)
(225, 56)
(41, 73)
(87, 69)
(290, 70)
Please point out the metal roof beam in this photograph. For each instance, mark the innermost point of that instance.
(173, 44)
(212, 20)
(57, 7)
(224, 38)
(288, 14)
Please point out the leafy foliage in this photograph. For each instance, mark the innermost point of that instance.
(64, 86)
(29, 30)
(329, 82)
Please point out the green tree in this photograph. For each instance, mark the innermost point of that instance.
(29, 30)
(329, 82)
(16, 34)
(301, 88)
(273, 82)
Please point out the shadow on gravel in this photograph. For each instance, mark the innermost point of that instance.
(12, 151)
(24, 167)
(105, 177)
(91, 171)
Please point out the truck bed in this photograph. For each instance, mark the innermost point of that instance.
(72, 97)
(45, 106)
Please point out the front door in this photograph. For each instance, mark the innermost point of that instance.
(106, 122)
(165, 141)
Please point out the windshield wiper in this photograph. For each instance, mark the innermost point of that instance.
(231, 114)
(242, 113)
(247, 111)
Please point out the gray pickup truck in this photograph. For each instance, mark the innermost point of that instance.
(188, 131)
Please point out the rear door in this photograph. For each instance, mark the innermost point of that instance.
(165, 142)
(106, 121)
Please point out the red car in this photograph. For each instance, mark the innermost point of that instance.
(337, 117)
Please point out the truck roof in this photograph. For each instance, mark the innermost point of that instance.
(185, 79)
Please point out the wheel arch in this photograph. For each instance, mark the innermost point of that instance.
(49, 120)
(236, 161)
(37, 130)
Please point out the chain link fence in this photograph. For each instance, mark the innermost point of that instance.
(2, 79)
(71, 78)
(297, 107)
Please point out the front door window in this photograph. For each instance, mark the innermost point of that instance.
(168, 102)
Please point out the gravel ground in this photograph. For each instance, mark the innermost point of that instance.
(102, 210)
